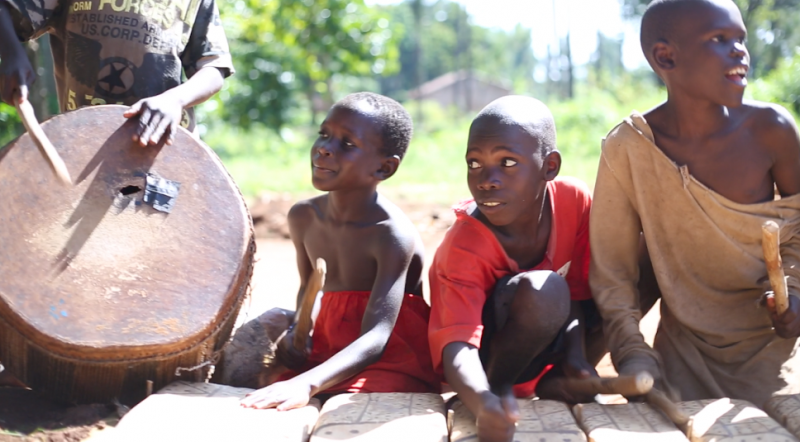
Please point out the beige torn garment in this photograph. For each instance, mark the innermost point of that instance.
(714, 339)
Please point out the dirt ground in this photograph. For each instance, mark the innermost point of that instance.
(25, 416)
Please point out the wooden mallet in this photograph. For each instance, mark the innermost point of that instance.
(302, 324)
(302, 318)
(640, 384)
(770, 242)
(625, 385)
(25, 111)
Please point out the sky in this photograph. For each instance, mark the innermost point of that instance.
(583, 17)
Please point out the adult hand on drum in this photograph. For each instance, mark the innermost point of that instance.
(16, 71)
(286, 395)
(159, 118)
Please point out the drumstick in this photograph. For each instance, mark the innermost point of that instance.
(302, 318)
(25, 111)
(624, 385)
(770, 242)
(658, 399)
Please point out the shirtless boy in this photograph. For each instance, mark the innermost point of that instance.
(697, 175)
(366, 337)
(509, 283)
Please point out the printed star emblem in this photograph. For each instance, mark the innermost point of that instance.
(114, 77)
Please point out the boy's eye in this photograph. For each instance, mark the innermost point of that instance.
(508, 162)
(348, 143)
(472, 164)
(323, 135)
(718, 38)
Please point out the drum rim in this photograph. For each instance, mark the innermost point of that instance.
(91, 354)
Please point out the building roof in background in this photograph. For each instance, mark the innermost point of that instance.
(449, 79)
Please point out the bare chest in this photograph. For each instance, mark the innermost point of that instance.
(733, 166)
(347, 252)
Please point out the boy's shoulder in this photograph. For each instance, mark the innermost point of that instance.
(571, 186)
(397, 224)
(767, 116)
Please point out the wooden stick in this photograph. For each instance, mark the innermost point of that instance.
(627, 386)
(771, 238)
(302, 318)
(25, 111)
(149, 388)
(658, 399)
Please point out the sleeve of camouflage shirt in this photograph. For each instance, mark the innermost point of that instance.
(32, 18)
(207, 45)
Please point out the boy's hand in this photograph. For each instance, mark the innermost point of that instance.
(159, 118)
(285, 395)
(287, 355)
(497, 418)
(16, 74)
(786, 325)
(576, 366)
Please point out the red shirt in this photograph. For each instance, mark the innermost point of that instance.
(470, 260)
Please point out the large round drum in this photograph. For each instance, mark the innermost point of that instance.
(135, 272)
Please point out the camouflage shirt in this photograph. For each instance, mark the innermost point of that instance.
(120, 51)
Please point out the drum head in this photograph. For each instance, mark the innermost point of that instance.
(106, 269)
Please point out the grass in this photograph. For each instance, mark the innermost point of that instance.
(434, 169)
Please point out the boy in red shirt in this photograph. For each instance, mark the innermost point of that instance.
(509, 283)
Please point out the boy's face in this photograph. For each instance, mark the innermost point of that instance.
(507, 171)
(347, 153)
(711, 60)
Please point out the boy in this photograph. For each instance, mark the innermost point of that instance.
(120, 52)
(697, 178)
(367, 335)
(509, 284)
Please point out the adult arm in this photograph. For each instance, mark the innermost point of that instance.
(614, 270)
(15, 68)
(159, 116)
(377, 324)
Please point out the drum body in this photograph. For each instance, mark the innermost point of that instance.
(101, 291)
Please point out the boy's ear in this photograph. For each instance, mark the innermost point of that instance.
(552, 165)
(389, 166)
(663, 55)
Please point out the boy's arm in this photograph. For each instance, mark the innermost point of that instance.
(576, 365)
(577, 278)
(784, 140)
(379, 319)
(614, 230)
(496, 416)
(159, 116)
(15, 68)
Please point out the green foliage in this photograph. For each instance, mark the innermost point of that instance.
(781, 86)
(450, 42)
(10, 124)
(434, 169)
(290, 54)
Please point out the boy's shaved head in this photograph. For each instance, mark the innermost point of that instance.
(660, 20)
(396, 125)
(527, 113)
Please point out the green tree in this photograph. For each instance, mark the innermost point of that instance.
(772, 27)
(293, 54)
(451, 42)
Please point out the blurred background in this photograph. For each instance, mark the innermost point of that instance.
(444, 60)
